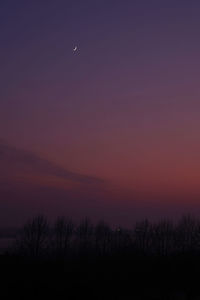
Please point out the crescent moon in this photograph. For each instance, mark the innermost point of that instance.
(75, 48)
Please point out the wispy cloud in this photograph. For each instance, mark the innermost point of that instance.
(11, 157)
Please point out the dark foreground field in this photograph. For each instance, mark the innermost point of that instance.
(152, 261)
(119, 277)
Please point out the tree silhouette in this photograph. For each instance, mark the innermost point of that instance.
(84, 233)
(103, 235)
(143, 236)
(162, 238)
(63, 232)
(33, 237)
(187, 233)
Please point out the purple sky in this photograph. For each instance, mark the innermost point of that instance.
(120, 115)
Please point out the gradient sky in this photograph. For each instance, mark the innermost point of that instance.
(123, 110)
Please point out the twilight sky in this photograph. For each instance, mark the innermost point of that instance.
(111, 130)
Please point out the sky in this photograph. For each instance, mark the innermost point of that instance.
(110, 130)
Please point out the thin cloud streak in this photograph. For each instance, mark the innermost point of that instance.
(14, 157)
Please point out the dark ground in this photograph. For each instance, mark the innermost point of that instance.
(117, 277)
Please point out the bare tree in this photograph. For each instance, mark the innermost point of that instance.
(187, 233)
(84, 233)
(63, 232)
(33, 238)
(162, 237)
(102, 237)
(142, 235)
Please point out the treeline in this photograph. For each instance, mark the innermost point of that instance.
(65, 239)
(65, 260)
